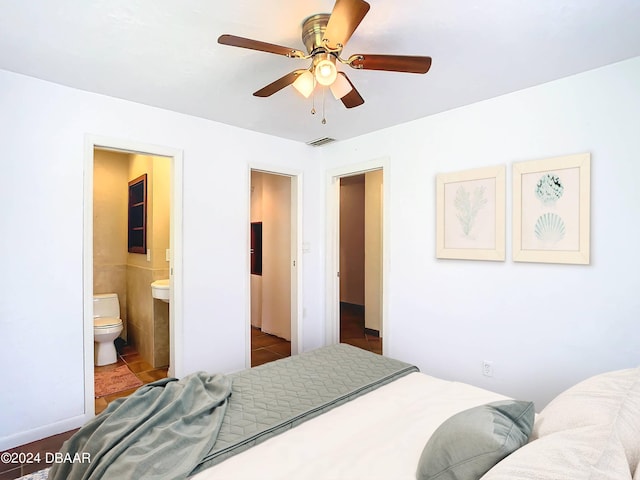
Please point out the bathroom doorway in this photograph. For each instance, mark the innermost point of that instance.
(125, 250)
(273, 266)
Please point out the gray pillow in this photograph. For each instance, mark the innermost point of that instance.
(468, 444)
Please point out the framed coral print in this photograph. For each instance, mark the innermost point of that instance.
(470, 211)
(551, 210)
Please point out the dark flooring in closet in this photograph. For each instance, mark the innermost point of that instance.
(352, 329)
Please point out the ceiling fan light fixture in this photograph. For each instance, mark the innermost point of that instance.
(325, 68)
(341, 86)
(305, 83)
(325, 35)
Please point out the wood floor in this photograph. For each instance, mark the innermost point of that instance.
(264, 348)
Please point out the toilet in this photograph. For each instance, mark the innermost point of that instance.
(107, 325)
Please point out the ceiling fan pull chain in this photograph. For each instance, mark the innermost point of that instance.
(324, 119)
(313, 98)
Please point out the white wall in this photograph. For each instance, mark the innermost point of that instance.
(544, 326)
(43, 128)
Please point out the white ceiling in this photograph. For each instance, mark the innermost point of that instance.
(165, 53)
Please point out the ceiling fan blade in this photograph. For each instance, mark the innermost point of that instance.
(344, 19)
(242, 42)
(391, 63)
(279, 84)
(353, 98)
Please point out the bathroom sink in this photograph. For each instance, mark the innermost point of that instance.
(160, 290)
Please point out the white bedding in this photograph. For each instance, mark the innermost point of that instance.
(377, 436)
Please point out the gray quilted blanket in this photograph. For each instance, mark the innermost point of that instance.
(277, 396)
(161, 431)
(171, 429)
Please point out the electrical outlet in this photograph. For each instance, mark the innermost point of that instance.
(487, 368)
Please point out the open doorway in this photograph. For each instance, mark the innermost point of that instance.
(132, 237)
(273, 263)
(360, 250)
(131, 248)
(376, 291)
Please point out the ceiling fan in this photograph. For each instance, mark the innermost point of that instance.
(324, 37)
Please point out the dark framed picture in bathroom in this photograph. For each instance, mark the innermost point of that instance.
(137, 223)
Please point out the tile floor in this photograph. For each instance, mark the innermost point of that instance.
(264, 348)
(9, 471)
(144, 371)
(267, 348)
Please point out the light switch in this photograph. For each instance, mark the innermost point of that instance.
(167, 254)
(148, 254)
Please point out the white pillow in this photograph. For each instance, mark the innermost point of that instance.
(577, 454)
(610, 399)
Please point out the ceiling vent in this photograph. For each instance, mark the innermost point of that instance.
(321, 141)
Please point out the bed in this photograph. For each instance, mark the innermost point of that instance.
(340, 412)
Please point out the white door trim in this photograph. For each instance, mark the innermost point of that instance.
(296, 255)
(176, 300)
(332, 287)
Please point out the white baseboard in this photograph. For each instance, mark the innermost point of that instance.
(39, 433)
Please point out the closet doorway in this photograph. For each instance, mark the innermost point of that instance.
(360, 251)
(273, 266)
(357, 255)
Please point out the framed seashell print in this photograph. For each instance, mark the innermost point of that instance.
(470, 214)
(551, 210)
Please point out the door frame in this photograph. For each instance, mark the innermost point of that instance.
(175, 156)
(296, 177)
(332, 287)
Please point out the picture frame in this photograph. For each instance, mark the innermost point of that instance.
(470, 214)
(551, 210)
